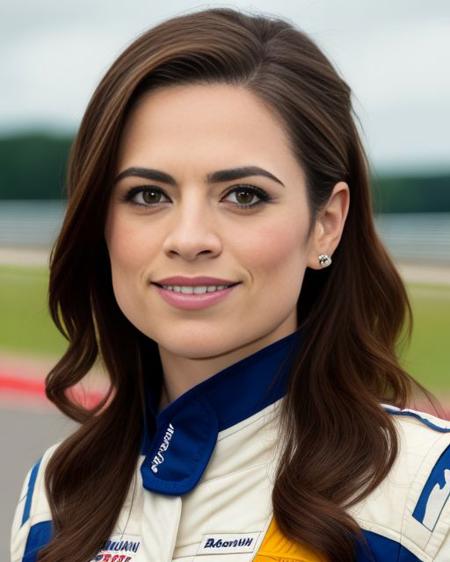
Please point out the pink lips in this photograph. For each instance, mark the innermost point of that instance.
(193, 302)
(201, 280)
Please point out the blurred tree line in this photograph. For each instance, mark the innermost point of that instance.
(33, 166)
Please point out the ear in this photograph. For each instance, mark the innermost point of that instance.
(329, 224)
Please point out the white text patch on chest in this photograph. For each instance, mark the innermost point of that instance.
(225, 543)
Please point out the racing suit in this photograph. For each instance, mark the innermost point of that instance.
(202, 487)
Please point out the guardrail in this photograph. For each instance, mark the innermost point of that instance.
(414, 236)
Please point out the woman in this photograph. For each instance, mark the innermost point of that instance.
(259, 415)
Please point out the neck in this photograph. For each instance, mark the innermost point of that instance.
(198, 369)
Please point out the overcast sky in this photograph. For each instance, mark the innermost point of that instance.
(394, 54)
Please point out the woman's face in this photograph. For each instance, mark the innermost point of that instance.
(193, 226)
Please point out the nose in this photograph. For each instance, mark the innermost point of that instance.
(192, 231)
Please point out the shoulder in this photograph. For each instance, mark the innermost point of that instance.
(410, 510)
(31, 526)
(424, 442)
(418, 419)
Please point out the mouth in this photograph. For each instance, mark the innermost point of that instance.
(226, 286)
(194, 298)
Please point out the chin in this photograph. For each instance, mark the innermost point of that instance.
(195, 345)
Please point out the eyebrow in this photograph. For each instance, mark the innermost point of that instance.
(213, 177)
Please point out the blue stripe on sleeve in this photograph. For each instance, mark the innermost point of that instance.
(38, 537)
(382, 549)
(31, 484)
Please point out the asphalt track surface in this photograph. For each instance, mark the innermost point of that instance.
(29, 424)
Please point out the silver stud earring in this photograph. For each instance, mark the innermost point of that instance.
(324, 260)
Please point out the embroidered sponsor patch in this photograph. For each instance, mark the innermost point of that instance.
(119, 549)
(225, 543)
(435, 493)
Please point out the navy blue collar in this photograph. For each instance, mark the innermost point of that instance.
(178, 451)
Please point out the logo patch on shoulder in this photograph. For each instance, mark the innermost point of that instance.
(226, 543)
(435, 493)
(119, 549)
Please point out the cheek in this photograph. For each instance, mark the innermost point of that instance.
(277, 251)
(126, 243)
(128, 249)
(275, 257)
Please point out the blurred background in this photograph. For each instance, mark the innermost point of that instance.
(394, 56)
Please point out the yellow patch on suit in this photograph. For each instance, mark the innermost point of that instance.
(278, 548)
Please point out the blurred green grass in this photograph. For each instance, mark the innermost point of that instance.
(428, 357)
(26, 327)
(25, 324)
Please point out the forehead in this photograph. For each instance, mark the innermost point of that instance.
(214, 125)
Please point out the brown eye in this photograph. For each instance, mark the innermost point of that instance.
(144, 196)
(245, 194)
(151, 196)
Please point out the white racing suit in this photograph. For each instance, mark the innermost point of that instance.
(202, 486)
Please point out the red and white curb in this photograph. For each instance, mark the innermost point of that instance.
(29, 392)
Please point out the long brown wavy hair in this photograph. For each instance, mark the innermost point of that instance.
(339, 443)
